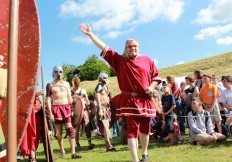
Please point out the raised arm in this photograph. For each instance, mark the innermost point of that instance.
(87, 30)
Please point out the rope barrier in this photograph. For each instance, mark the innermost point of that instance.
(227, 115)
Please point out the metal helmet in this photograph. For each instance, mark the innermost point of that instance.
(103, 76)
(58, 72)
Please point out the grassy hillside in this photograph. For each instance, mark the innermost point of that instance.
(220, 65)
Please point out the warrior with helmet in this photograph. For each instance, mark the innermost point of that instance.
(77, 91)
(103, 96)
(60, 108)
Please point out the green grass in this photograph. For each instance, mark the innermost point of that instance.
(158, 152)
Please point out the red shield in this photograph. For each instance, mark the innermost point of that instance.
(28, 59)
(78, 111)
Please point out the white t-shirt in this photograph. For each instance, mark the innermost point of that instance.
(226, 96)
(220, 87)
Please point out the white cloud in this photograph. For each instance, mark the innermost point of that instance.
(81, 39)
(120, 15)
(219, 11)
(224, 41)
(213, 31)
(115, 33)
(180, 62)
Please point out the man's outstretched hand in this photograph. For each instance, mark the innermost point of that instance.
(85, 29)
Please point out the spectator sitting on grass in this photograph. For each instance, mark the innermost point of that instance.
(200, 125)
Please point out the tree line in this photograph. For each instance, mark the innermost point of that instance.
(88, 71)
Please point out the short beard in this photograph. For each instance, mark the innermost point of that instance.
(132, 58)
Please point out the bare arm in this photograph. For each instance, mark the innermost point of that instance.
(228, 121)
(39, 93)
(49, 107)
(170, 110)
(97, 97)
(86, 97)
(213, 104)
(70, 100)
(225, 105)
(87, 30)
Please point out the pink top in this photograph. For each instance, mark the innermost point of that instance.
(174, 87)
(176, 129)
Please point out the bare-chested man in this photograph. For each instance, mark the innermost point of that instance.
(60, 109)
(102, 96)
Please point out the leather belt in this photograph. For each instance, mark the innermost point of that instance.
(135, 94)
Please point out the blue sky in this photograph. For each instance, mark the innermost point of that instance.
(169, 31)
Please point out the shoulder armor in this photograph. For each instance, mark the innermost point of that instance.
(48, 90)
(99, 88)
(72, 93)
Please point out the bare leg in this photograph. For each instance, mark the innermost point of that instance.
(220, 137)
(32, 156)
(219, 126)
(77, 134)
(144, 139)
(88, 136)
(59, 137)
(206, 141)
(71, 141)
(133, 146)
(107, 139)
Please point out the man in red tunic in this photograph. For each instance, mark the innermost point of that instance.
(137, 78)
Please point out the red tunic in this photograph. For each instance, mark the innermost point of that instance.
(133, 76)
(28, 142)
(31, 137)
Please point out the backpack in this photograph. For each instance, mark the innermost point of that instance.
(205, 114)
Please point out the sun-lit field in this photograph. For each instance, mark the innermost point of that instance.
(158, 152)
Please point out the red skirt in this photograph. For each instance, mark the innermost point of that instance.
(61, 112)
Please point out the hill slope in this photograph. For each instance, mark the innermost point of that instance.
(220, 65)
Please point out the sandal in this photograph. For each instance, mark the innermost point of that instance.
(91, 146)
(33, 160)
(76, 156)
(62, 155)
(78, 146)
(110, 148)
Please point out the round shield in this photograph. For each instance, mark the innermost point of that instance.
(93, 110)
(78, 111)
(28, 60)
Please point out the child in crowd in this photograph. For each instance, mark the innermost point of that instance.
(168, 105)
(176, 128)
